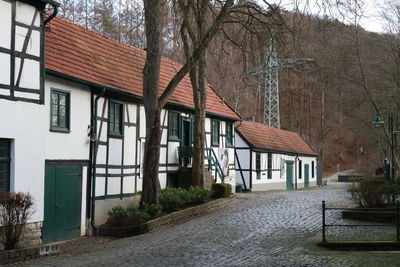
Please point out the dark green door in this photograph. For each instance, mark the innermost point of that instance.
(306, 175)
(289, 176)
(62, 203)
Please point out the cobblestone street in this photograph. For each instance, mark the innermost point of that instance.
(256, 229)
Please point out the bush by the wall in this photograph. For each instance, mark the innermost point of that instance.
(117, 215)
(152, 209)
(221, 190)
(137, 216)
(15, 210)
(370, 192)
(199, 195)
(172, 199)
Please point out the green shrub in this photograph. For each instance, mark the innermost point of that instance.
(138, 215)
(117, 214)
(172, 199)
(152, 209)
(199, 194)
(370, 192)
(222, 190)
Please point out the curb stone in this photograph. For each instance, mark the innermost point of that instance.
(127, 231)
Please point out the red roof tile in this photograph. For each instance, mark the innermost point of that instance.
(263, 136)
(73, 50)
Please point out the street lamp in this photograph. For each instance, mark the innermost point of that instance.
(378, 122)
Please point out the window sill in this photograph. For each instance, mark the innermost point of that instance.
(60, 130)
(116, 136)
(174, 139)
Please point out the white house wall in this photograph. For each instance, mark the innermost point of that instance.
(25, 124)
(278, 180)
(75, 144)
(27, 46)
(242, 162)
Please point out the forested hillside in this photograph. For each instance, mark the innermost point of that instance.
(331, 102)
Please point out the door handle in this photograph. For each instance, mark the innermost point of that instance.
(56, 206)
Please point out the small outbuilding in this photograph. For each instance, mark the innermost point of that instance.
(268, 158)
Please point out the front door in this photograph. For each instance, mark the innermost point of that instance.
(186, 140)
(289, 176)
(62, 203)
(306, 175)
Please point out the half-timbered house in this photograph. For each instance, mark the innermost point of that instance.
(272, 159)
(73, 127)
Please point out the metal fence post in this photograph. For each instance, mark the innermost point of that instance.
(323, 222)
(397, 221)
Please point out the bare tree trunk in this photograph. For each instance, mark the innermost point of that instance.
(200, 96)
(151, 77)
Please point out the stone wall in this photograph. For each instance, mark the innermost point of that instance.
(31, 237)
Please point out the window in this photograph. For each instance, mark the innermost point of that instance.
(300, 169)
(60, 107)
(173, 125)
(229, 134)
(258, 166)
(115, 119)
(269, 166)
(5, 159)
(312, 169)
(215, 132)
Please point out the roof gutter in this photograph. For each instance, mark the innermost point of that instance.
(94, 142)
(285, 152)
(55, 5)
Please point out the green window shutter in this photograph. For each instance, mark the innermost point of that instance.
(269, 166)
(215, 132)
(258, 166)
(5, 160)
(229, 134)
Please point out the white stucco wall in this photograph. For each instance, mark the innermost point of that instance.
(75, 144)
(24, 123)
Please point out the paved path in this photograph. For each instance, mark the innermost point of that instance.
(256, 229)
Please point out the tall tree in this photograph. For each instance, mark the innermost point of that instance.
(153, 102)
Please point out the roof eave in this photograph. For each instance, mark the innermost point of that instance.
(116, 90)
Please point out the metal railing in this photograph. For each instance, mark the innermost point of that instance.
(397, 224)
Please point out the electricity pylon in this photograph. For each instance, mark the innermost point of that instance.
(270, 69)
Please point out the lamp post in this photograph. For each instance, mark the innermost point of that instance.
(392, 132)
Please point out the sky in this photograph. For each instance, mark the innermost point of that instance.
(371, 20)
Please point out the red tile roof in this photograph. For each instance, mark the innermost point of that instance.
(266, 137)
(73, 50)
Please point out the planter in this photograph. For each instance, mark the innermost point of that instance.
(362, 246)
(370, 215)
(15, 255)
(132, 230)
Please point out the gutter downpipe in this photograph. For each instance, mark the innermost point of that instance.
(295, 170)
(93, 141)
(55, 12)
